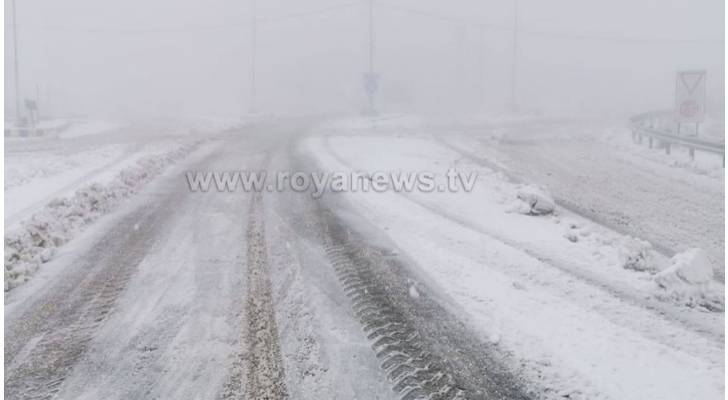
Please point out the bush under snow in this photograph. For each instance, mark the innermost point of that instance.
(637, 255)
(60, 220)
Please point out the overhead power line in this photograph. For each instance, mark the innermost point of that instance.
(442, 17)
(402, 9)
(621, 39)
(541, 33)
(304, 14)
(201, 28)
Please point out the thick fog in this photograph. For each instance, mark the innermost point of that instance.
(193, 57)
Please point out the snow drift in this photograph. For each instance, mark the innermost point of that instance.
(35, 242)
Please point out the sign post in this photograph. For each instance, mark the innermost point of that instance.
(371, 86)
(690, 98)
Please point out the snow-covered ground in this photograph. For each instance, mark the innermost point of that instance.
(148, 290)
(85, 127)
(594, 167)
(713, 128)
(573, 301)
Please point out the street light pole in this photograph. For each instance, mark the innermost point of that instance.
(15, 62)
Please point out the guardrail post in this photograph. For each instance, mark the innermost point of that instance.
(648, 125)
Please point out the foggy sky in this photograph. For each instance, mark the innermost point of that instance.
(192, 57)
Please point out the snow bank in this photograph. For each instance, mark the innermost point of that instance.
(533, 200)
(689, 280)
(60, 220)
(611, 249)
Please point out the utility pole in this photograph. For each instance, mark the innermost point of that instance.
(15, 61)
(253, 51)
(48, 99)
(37, 100)
(460, 68)
(371, 36)
(371, 56)
(514, 60)
(483, 74)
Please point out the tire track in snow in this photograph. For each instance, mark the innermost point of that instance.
(257, 372)
(415, 372)
(61, 328)
(47, 336)
(425, 351)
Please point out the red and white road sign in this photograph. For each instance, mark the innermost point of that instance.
(690, 96)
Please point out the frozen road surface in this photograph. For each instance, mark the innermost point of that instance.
(143, 287)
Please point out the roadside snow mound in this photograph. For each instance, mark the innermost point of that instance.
(691, 267)
(689, 280)
(60, 220)
(534, 200)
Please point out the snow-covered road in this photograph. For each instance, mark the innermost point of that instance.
(156, 300)
(367, 295)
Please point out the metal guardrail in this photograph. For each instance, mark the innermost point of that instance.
(646, 125)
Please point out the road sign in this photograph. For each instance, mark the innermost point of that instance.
(690, 96)
(371, 83)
